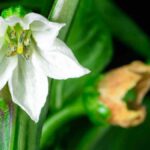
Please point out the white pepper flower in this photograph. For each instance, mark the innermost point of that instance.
(30, 52)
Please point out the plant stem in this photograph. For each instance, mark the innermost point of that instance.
(63, 11)
(60, 118)
(92, 137)
(18, 131)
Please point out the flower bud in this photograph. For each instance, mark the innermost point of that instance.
(122, 91)
(97, 111)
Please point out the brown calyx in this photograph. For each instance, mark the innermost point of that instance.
(116, 84)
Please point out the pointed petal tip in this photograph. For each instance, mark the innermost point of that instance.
(84, 72)
(87, 71)
(35, 118)
(33, 88)
(62, 25)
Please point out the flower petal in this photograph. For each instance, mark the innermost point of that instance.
(29, 88)
(59, 62)
(3, 27)
(13, 20)
(44, 32)
(39, 23)
(45, 39)
(7, 65)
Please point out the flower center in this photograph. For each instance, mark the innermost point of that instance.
(18, 41)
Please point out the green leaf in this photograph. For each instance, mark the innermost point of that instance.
(123, 27)
(91, 44)
(91, 137)
(63, 12)
(5, 119)
(60, 118)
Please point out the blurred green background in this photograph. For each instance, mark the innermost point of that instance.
(103, 34)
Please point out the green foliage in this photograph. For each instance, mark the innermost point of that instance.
(123, 27)
(130, 96)
(5, 118)
(90, 26)
(14, 10)
(95, 109)
(135, 138)
(43, 7)
(93, 48)
(64, 11)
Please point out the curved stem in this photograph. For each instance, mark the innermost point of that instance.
(92, 137)
(60, 118)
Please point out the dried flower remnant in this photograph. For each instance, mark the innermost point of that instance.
(123, 90)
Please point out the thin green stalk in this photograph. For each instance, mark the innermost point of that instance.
(60, 118)
(32, 141)
(123, 27)
(22, 134)
(92, 137)
(63, 11)
(25, 134)
(18, 131)
(12, 127)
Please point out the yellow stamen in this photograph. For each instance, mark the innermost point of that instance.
(20, 49)
(12, 53)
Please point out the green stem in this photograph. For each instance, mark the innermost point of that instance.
(92, 137)
(60, 118)
(123, 27)
(63, 11)
(18, 131)
(26, 133)
(23, 120)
